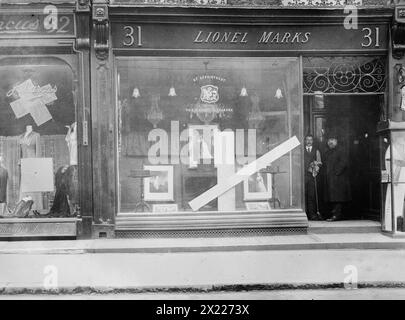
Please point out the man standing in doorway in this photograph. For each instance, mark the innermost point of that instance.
(312, 163)
(337, 183)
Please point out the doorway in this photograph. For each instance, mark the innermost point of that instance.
(354, 119)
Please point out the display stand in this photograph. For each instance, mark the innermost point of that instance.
(142, 204)
(274, 194)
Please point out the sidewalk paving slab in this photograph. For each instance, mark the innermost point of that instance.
(308, 241)
(149, 265)
(204, 270)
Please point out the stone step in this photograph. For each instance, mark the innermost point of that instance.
(345, 226)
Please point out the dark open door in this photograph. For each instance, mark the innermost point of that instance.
(354, 118)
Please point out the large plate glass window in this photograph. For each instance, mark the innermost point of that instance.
(38, 139)
(393, 176)
(188, 125)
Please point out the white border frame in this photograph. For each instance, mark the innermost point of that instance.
(200, 127)
(258, 195)
(161, 196)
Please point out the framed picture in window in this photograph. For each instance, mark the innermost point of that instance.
(201, 144)
(159, 186)
(257, 187)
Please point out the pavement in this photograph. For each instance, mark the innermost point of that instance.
(261, 264)
(320, 236)
(297, 294)
(204, 270)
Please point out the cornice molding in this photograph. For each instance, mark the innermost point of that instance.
(259, 4)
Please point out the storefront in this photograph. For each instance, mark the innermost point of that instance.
(211, 107)
(44, 146)
(187, 118)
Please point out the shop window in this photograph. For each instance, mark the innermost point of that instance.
(189, 125)
(393, 179)
(386, 181)
(38, 141)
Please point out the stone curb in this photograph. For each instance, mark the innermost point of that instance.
(195, 289)
(214, 248)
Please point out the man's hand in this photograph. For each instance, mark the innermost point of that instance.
(385, 176)
(315, 167)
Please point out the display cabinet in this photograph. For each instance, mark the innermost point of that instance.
(392, 157)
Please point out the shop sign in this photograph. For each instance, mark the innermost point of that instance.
(165, 208)
(209, 94)
(242, 37)
(37, 25)
(208, 105)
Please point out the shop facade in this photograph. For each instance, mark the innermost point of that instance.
(189, 117)
(45, 153)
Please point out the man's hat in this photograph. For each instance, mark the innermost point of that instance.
(333, 135)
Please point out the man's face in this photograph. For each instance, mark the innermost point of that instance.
(309, 141)
(332, 143)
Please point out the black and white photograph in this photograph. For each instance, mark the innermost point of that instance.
(258, 187)
(223, 151)
(159, 186)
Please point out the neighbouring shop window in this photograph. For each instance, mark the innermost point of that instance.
(189, 125)
(38, 139)
(386, 181)
(393, 178)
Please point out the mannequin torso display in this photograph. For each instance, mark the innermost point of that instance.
(30, 143)
(398, 172)
(3, 182)
(30, 147)
(71, 140)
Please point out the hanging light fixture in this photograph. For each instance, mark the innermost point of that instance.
(278, 94)
(256, 117)
(155, 115)
(243, 92)
(172, 92)
(135, 93)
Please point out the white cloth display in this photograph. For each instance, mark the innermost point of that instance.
(71, 140)
(30, 145)
(32, 100)
(36, 175)
(398, 171)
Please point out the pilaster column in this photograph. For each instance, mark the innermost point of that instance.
(103, 120)
(82, 87)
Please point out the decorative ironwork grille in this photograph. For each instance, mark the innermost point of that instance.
(344, 75)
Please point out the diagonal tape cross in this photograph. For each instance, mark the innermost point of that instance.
(251, 168)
